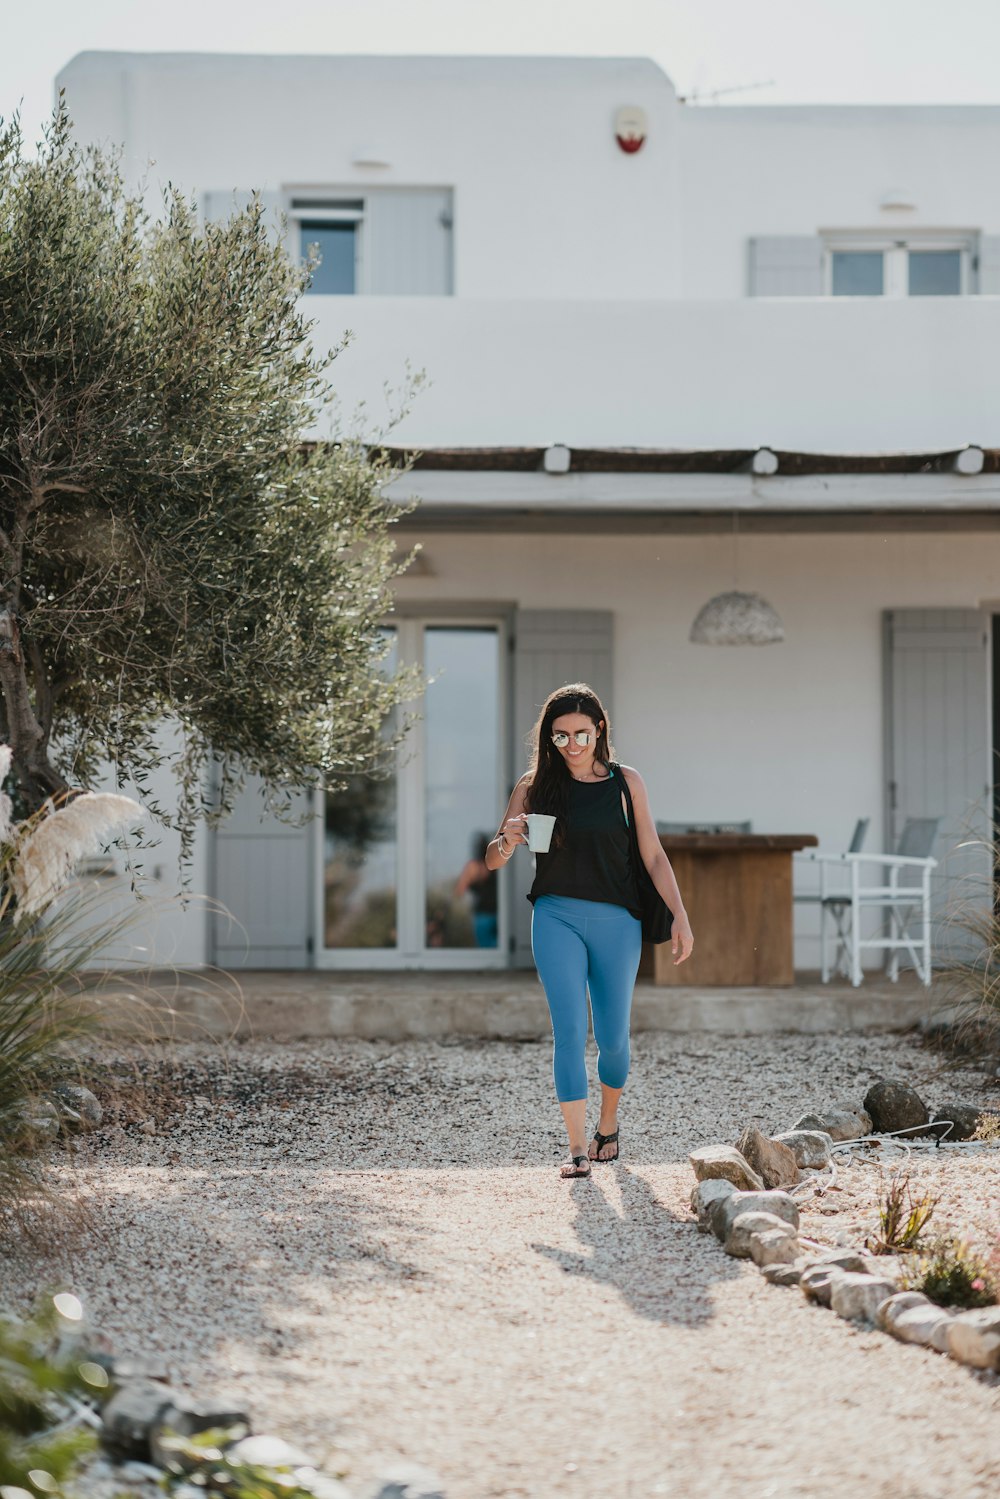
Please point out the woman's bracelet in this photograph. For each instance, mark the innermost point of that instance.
(504, 852)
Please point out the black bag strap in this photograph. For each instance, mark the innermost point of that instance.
(629, 807)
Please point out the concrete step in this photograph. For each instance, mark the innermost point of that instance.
(491, 1006)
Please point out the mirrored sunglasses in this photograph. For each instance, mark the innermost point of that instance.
(581, 737)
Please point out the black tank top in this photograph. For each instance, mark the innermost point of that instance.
(595, 860)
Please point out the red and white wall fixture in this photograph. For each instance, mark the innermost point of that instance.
(630, 128)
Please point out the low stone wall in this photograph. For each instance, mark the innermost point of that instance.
(501, 1006)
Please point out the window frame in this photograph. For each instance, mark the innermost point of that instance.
(334, 208)
(896, 249)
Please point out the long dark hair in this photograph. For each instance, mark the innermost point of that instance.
(548, 789)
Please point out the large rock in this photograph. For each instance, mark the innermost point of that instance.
(817, 1281)
(857, 1298)
(131, 1414)
(921, 1325)
(771, 1160)
(841, 1259)
(974, 1337)
(774, 1246)
(728, 1208)
(725, 1162)
(783, 1275)
(38, 1122)
(939, 1334)
(894, 1105)
(902, 1301)
(267, 1451)
(78, 1106)
(184, 1417)
(810, 1147)
(704, 1197)
(840, 1123)
(744, 1225)
(964, 1118)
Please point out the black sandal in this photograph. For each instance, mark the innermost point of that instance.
(578, 1161)
(603, 1140)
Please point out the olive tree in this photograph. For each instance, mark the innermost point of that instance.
(171, 550)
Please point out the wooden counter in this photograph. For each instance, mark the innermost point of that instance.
(737, 889)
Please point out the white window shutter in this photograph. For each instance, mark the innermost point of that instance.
(989, 265)
(936, 682)
(262, 886)
(786, 265)
(551, 647)
(407, 243)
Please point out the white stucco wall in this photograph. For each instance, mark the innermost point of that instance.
(789, 736)
(803, 169)
(546, 204)
(168, 922)
(855, 376)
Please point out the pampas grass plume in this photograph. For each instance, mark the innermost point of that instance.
(6, 809)
(47, 855)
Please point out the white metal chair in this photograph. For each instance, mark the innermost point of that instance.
(904, 897)
(835, 904)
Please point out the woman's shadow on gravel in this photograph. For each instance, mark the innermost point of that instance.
(659, 1264)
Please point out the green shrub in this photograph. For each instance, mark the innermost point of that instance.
(952, 1273)
(202, 1459)
(902, 1217)
(40, 1373)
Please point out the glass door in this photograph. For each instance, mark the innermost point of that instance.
(403, 882)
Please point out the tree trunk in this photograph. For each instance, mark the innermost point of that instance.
(28, 739)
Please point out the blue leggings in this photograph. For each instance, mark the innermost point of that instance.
(579, 944)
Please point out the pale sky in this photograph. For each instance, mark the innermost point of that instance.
(829, 51)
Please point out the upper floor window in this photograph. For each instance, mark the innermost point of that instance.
(329, 228)
(383, 242)
(863, 263)
(873, 266)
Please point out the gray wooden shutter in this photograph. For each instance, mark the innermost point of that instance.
(786, 265)
(551, 647)
(988, 281)
(406, 248)
(222, 205)
(938, 753)
(262, 877)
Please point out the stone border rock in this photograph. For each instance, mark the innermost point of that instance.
(142, 1423)
(763, 1225)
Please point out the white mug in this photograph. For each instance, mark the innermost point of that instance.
(540, 826)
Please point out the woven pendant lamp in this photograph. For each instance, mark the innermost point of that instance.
(735, 617)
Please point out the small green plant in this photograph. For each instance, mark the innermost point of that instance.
(952, 1273)
(902, 1217)
(202, 1459)
(41, 1442)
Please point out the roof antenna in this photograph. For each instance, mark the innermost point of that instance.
(696, 96)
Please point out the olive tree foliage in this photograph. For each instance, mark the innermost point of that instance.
(170, 548)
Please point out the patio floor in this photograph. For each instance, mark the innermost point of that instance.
(395, 1006)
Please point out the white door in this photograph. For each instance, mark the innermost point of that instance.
(938, 755)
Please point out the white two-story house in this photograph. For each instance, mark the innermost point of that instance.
(671, 352)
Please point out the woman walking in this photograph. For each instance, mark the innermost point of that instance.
(585, 928)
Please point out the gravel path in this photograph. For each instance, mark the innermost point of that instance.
(369, 1246)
